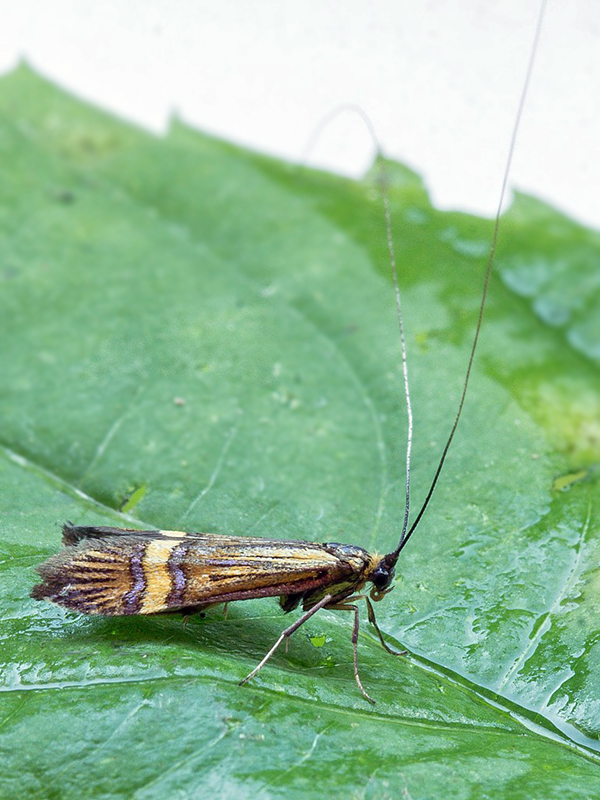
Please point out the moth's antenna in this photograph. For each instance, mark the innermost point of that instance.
(392, 254)
(405, 536)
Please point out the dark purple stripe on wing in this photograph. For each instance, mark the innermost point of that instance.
(132, 600)
(178, 578)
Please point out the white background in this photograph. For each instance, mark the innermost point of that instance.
(441, 81)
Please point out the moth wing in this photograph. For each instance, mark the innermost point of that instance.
(120, 572)
(95, 578)
(236, 568)
(72, 535)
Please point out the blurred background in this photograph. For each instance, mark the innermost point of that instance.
(440, 79)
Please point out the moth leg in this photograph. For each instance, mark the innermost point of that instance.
(373, 621)
(287, 646)
(287, 633)
(352, 607)
(188, 613)
(225, 610)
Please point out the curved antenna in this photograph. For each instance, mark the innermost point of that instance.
(405, 536)
(392, 254)
(388, 225)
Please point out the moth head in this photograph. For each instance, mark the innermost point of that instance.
(381, 578)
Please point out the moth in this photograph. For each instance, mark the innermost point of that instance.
(119, 572)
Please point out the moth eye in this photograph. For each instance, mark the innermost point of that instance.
(382, 577)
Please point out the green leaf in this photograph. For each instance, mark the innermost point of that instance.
(199, 337)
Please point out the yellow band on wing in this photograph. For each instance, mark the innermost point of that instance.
(157, 574)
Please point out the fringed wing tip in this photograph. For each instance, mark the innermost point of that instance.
(41, 591)
(53, 582)
(98, 571)
(69, 534)
(91, 580)
(72, 535)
